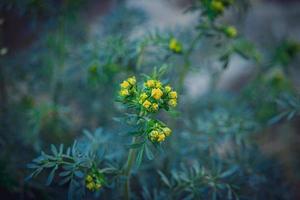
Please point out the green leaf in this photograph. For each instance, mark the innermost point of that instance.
(39, 159)
(277, 118)
(51, 176)
(54, 150)
(139, 157)
(64, 173)
(65, 180)
(164, 178)
(229, 172)
(68, 151)
(88, 135)
(49, 164)
(149, 153)
(61, 149)
(136, 145)
(135, 133)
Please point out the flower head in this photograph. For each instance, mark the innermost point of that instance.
(158, 84)
(168, 89)
(124, 84)
(217, 6)
(124, 92)
(175, 46)
(173, 95)
(143, 96)
(156, 136)
(89, 178)
(150, 83)
(159, 133)
(167, 131)
(172, 102)
(155, 106)
(147, 104)
(94, 180)
(132, 80)
(231, 31)
(128, 87)
(149, 98)
(156, 93)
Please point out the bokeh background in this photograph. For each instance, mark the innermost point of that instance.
(61, 62)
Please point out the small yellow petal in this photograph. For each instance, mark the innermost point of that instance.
(150, 83)
(158, 84)
(124, 92)
(132, 80)
(161, 137)
(173, 95)
(155, 106)
(124, 84)
(172, 102)
(156, 93)
(88, 178)
(167, 131)
(168, 88)
(143, 96)
(147, 104)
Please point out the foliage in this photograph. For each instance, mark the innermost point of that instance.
(208, 149)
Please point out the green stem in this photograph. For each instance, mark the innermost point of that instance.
(127, 170)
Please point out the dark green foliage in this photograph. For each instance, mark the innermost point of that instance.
(67, 81)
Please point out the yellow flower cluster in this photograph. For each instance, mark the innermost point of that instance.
(148, 98)
(127, 87)
(173, 99)
(159, 134)
(154, 96)
(230, 31)
(93, 182)
(175, 46)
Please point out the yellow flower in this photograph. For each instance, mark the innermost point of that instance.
(124, 84)
(147, 104)
(98, 186)
(158, 84)
(156, 93)
(231, 31)
(173, 95)
(161, 137)
(90, 186)
(153, 135)
(217, 6)
(155, 106)
(168, 88)
(167, 131)
(88, 178)
(150, 83)
(143, 96)
(175, 46)
(124, 92)
(132, 80)
(172, 102)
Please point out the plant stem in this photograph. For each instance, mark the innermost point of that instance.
(127, 170)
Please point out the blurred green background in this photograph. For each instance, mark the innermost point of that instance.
(61, 62)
